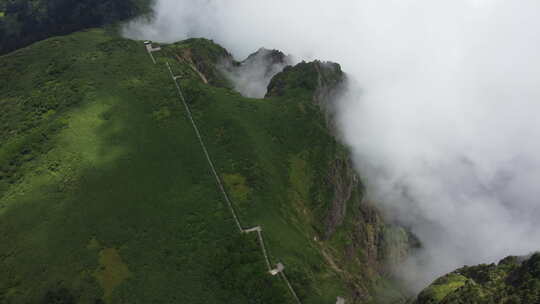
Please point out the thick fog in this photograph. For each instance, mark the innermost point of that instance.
(252, 76)
(442, 110)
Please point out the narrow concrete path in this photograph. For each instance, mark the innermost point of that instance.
(203, 146)
(290, 287)
(258, 229)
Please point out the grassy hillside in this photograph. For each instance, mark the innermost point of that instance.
(105, 195)
(512, 281)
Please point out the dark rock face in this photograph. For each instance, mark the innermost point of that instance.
(513, 280)
(343, 180)
(319, 81)
(371, 244)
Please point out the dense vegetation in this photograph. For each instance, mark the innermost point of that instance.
(105, 195)
(512, 281)
(25, 21)
(104, 192)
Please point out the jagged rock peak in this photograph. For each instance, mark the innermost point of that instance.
(310, 76)
(270, 57)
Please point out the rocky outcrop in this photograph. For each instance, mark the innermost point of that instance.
(252, 76)
(366, 242)
(315, 78)
(343, 180)
(322, 81)
(204, 57)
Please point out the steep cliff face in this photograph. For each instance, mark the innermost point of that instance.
(363, 243)
(354, 235)
(343, 180)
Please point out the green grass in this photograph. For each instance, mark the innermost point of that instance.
(255, 139)
(513, 280)
(443, 287)
(104, 192)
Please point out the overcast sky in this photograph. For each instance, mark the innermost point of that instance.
(441, 111)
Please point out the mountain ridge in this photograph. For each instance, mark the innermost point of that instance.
(100, 161)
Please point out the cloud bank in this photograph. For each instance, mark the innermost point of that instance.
(441, 112)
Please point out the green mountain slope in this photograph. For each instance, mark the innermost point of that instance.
(23, 22)
(106, 196)
(512, 281)
(105, 193)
